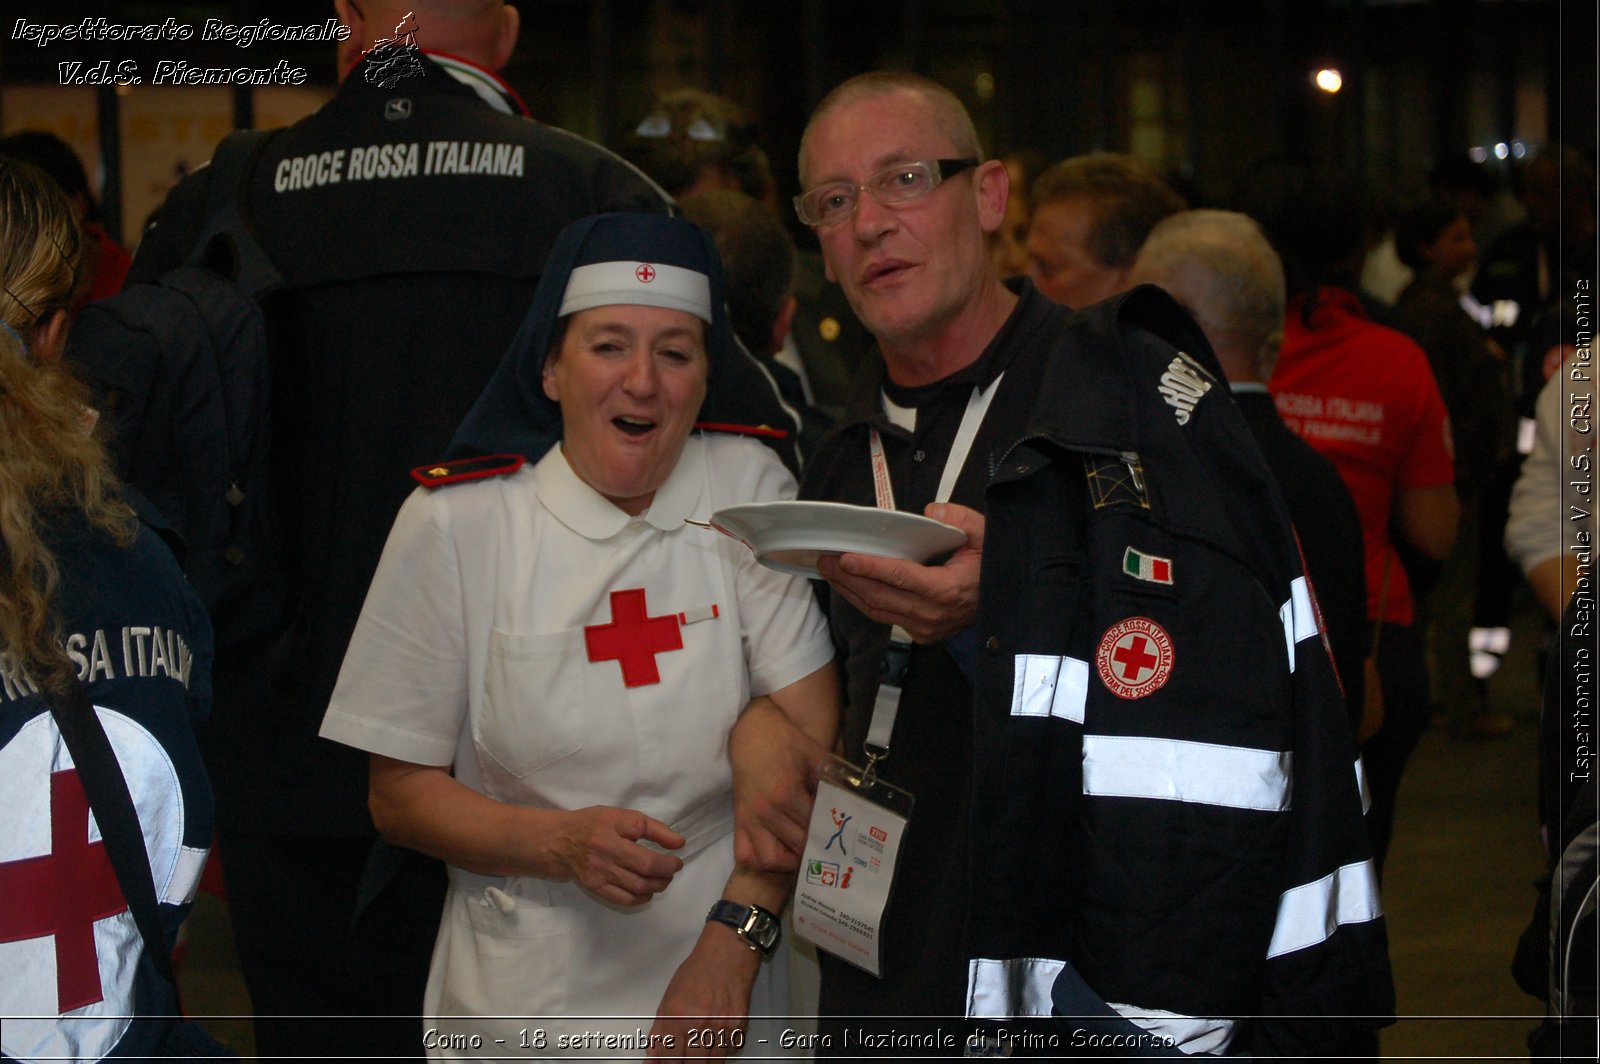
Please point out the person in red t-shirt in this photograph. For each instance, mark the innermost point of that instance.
(105, 262)
(1365, 397)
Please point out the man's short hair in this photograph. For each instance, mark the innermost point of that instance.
(1246, 297)
(1128, 198)
(949, 113)
(685, 132)
(758, 259)
(1417, 225)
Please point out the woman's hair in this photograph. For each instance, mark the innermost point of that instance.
(40, 247)
(49, 461)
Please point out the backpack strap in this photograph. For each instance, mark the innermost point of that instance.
(226, 243)
(107, 791)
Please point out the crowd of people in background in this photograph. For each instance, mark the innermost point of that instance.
(1395, 374)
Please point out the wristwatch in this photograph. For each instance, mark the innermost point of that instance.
(759, 928)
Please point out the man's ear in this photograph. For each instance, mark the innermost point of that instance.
(349, 52)
(505, 41)
(992, 186)
(783, 322)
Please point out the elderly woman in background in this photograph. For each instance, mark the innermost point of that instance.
(551, 657)
(90, 598)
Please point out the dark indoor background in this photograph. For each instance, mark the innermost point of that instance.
(1199, 88)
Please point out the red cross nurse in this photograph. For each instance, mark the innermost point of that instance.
(550, 659)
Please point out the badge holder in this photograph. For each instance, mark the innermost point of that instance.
(857, 825)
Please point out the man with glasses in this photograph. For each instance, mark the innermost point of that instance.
(1102, 849)
(901, 199)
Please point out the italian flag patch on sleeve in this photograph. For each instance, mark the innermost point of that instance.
(1148, 567)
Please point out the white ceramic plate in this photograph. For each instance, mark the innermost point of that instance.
(788, 536)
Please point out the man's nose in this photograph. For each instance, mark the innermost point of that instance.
(872, 220)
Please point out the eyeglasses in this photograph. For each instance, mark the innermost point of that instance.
(831, 204)
(660, 126)
(675, 122)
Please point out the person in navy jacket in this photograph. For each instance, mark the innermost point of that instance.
(89, 593)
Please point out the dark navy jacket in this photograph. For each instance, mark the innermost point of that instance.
(69, 948)
(1167, 807)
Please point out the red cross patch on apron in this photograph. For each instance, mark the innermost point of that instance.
(633, 638)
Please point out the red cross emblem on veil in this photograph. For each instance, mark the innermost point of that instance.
(646, 272)
(63, 893)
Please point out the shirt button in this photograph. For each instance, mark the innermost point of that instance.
(920, 455)
(992, 645)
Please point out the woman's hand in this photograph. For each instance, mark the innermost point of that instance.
(599, 849)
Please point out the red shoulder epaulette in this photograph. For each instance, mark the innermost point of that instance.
(743, 430)
(489, 465)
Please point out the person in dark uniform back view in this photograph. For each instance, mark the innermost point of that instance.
(1219, 266)
(410, 217)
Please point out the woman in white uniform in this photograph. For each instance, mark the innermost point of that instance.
(550, 659)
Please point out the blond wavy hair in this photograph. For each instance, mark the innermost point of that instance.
(50, 464)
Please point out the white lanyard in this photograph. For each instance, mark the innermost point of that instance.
(897, 656)
(966, 432)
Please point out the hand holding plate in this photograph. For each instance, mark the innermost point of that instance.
(929, 602)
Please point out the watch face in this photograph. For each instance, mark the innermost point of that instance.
(764, 932)
(759, 928)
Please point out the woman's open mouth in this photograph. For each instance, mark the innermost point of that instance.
(633, 426)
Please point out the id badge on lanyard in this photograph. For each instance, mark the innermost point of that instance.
(859, 820)
(857, 825)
